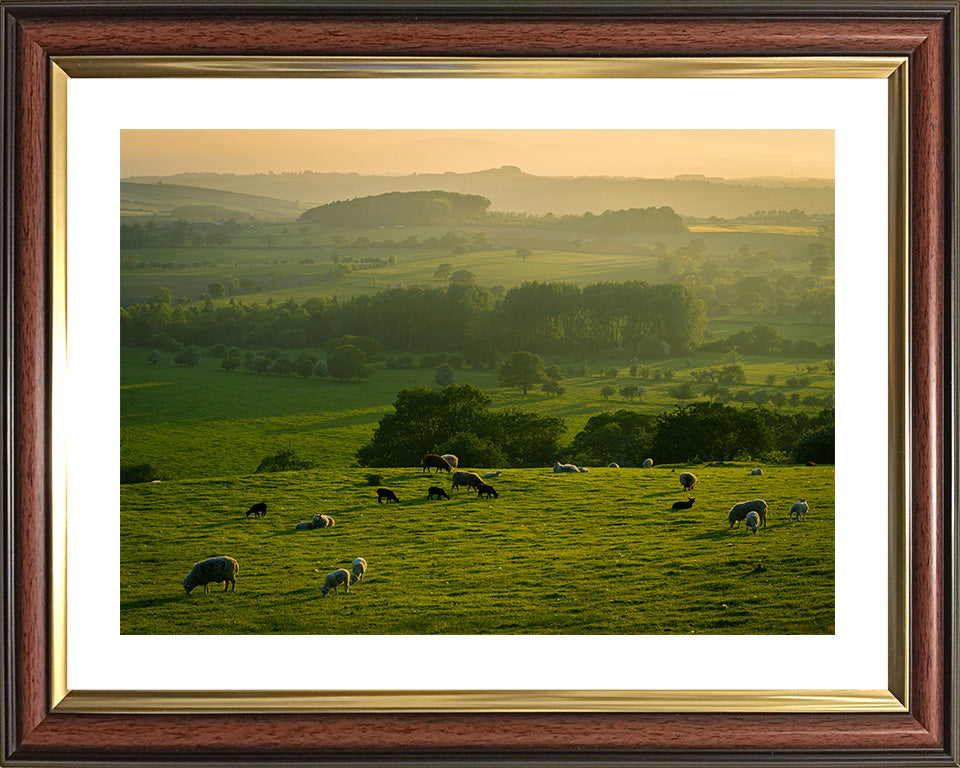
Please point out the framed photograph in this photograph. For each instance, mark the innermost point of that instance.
(322, 221)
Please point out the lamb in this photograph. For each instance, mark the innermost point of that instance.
(757, 471)
(309, 525)
(434, 490)
(683, 504)
(359, 568)
(752, 521)
(647, 463)
(452, 460)
(688, 480)
(493, 474)
(258, 510)
(484, 490)
(798, 508)
(431, 460)
(334, 580)
(739, 511)
(216, 569)
(613, 465)
(466, 478)
(386, 493)
(558, 467)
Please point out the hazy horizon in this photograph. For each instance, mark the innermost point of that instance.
(652, 154)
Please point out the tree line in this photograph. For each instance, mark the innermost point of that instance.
(457, 419)
(640, 318)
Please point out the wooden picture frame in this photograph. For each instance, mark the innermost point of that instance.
(176, 731)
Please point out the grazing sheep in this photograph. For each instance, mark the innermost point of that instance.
(216, 569)
(757, 471)
(431, 460)
(484, 490)
(258, 510)
(647, 463)
(386, 493)
(359, 568)
(683, 504)
(434, 490)
(452, 460)
(752, 521)
(558, 467)
(334, 580)
(466, 478)
(798, 508)
(309, 525)
(493, 474)
(739, 511)
(688, 480)
(613, 465)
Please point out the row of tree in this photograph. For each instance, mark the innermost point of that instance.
(648, 320)
(457, 419)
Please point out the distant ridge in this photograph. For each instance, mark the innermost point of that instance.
(510, 189)
(164, 198)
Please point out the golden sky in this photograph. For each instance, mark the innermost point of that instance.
(562, 152)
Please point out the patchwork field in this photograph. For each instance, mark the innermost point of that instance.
(556, 553)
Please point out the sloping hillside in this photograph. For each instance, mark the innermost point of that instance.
(178, 201)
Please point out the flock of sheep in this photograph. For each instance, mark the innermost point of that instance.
(224, 569)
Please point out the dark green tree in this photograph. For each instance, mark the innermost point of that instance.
(521, 369)
(347, 362)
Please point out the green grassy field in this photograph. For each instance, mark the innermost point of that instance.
(600, 552)
(204, 422)
(281, 275)
(597, 553)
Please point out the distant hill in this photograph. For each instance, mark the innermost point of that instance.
(510, 189)
(431, 208)
(191, 203)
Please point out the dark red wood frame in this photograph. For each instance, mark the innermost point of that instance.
(926, 32)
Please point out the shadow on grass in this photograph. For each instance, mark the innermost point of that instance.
(154, 602)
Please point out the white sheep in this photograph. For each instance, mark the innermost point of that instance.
(326, 522)
(757, 471)
(309, 525)
(466, 478)
(452, 460)
(647, 463)
(752, 521)
(558, 467)
(613, 465)
(359, 568)
(334, 580)
(493, 474)
(739, 511)
(216, 569)
(798, 508)
(688, 480)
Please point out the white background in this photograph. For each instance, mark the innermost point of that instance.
(100, 658)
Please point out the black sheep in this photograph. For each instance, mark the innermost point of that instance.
(438, 462)
(258, 510)
(386, 493)
(487, 490)
(683, 504)
(438, 492)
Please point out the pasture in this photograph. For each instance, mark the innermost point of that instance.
(597, 553)
(204, 422)
(295, 261)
